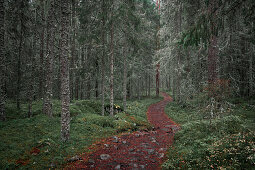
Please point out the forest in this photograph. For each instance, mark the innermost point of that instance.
(127, 84)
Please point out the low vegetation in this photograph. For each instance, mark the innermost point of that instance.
(226, 141)
(35, 142)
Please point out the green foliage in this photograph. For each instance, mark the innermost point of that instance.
(222, 143)
(34, 143)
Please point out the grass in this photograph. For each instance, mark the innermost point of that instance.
(35, 142)
(225, 142)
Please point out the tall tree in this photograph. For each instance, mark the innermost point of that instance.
(124, 79)
(112, 60)
(42, 38)
(2, 62)
(103, 54)
(47, 107)
(213, 46)
(64, 59)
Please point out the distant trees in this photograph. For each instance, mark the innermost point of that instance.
(214, 43)
(91, 49)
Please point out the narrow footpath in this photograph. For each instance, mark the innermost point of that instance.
(138, 150)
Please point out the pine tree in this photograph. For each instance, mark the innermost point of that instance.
(64, 59)
(2, 62)
(47, 107)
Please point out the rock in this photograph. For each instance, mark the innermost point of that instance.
(131, 150)
(168, 126)
(105, 156)
(166, 129)
(115, 139)
(92, 161)
(161, 155)
(162, 149)
(150, 151)
(152, 160)
(75, 158)
(142, 166)
(145, 145)
(153, 140)
(117, 167)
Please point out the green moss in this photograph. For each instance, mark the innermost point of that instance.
(196, 142)
(19, 134)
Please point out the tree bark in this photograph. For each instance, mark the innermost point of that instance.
(212, 49)
(41, 86)
(157, 80)
(2, 63)
(124, 80)
(251, 74)
(112, 60)
(47, 107)
(103, 56)
(64, 57)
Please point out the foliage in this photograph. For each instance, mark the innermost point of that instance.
(35, 142)
(226, 142)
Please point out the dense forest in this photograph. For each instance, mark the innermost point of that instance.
(81, 80)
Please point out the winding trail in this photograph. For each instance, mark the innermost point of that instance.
(138, 150)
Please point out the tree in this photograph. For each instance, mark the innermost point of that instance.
(47, 106)
(103, 54)
(2, 62)
(64, 59)
(112, 60)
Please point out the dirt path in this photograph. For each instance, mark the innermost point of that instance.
(138, 150)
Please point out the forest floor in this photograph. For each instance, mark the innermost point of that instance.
(137, 150)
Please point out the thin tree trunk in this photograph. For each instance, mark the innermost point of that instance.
(112, 59)
(2, 63)
(178, 77)
(251, 74)
(47, 107)
(19, 69)
(212, 50)
(41, 86)
(103, 56)
(124, 81)
(149, 86)
(157, 79)
(65, 89)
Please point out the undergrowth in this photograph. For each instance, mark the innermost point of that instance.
(34, 143)
(223, 142)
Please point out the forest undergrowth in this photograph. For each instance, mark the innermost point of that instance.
(226, 141)
(35, 142)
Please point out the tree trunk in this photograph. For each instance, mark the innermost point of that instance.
(103, 56)
(212, 49)
(251, 74)
(47, 107)
(124, 80)
(2, 63)
(112, 59)
(19, 62)
(157, 80)
(65, 89)
(41, 86)
(149, 92)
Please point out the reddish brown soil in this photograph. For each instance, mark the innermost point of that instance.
(138, 150)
